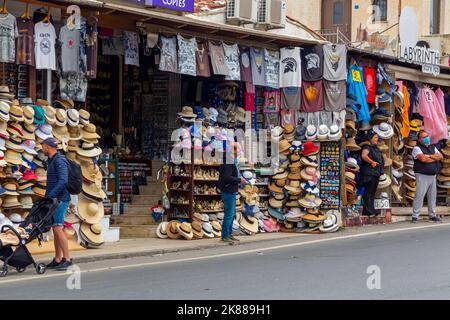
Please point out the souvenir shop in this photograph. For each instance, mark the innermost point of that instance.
(45, 62)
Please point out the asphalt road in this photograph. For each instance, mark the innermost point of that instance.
(412, 265)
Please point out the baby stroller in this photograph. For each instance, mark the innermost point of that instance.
(38, 222)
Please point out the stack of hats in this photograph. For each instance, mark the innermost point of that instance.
(444, 176)
(249, 199)
(351, 170)
(351, 132)
(202, 227)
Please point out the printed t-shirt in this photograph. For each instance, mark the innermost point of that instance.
(312, 96)
(312, 63)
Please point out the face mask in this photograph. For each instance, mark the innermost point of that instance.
(426, 141)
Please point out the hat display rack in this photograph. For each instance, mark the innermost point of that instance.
(23, 126)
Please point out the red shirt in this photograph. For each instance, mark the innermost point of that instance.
(371, 84)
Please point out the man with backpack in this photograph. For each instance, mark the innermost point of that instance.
(57, 188)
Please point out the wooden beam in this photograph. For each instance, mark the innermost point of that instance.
(181, 26)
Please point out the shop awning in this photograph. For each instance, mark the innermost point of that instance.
(416, 75)
(186, 24)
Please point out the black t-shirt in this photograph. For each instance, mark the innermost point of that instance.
(376, 155)
(312, 63)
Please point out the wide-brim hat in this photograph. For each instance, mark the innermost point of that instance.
(185, 230)
(332, 223)
(92, 233)
(283, 146)
(311, 132)
(443, 178)
(385, 181)
(445, 171)
(351, 145)
(276, 189)
(410, 185)
(309, 161)
(197, 229)
(249, 224)
(91, 173)
(295, 174)
(187, 112)
(93, 190)
(314, 218)
(444, 185)
(61, 133)
(310, 174)
(172, 230)
(89, 150)
(352, 163)
(207, 230)
(310, 201)
(11, 202)
(276, 203)
(39, 189)
(72, 218)
(384, 130)
(13, 157)
(90, 211)
(276, 213)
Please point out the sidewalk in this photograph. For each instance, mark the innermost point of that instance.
(130, 248)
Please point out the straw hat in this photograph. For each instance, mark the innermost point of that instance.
(11, 189)
(61, 117)
(216, 229)
(384, 130)
(84, 116)
(39, 189)
(310, 201)
(197, 229)
(310, 161)
(310, 174)
(16, 112)
(4, 111)
(26, 202)
(14, 143)
(10, 202)
(89, 150)
(387, 161)
(410, 185)
(89, 131)
(92, 233)
(90, 211)
(61, 133)
(311, 132)
(351, 145)
(295, 174)
(277, 201)
(280, 174)
(75, 133)
(161, 230)
(4, 92)
(314, 217)
(44, 131)
(93, 190)
(207, 230)
(50, 114)
(384, 182)
(293, 187)
(187, 112)
(73, 118)
(28, 113)
(172, 230)
(15, 129)
(352, 163)
(90, 172)
(185, 230)
(284, 145)
(28, 132)
(13, 157)
(332, 223)
(249, 224)
(72, 219)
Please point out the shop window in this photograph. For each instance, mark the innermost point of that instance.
(380, 14)
(338, 12)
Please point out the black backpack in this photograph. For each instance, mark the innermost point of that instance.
(75, 182)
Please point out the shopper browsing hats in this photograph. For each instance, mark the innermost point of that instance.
(372, 167)
(57, 179)
(426, 168)
(229, 180)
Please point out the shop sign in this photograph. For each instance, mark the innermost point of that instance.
(409, 52)
(179, 5)
(378, 41)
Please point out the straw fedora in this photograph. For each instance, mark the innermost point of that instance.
(216, 229)
(410, 185)
(28, 132)
(293, 187)
(281, 174)
(172, 230)
(295, 174)
(90, 211)
(277, 201)
(197, 229)
(61, 117)
(277, 133)
(75, 133)
(61, 133)
(4, 130)
(64, 104)
(11, 202)
(14, 143)
(16, 112)
(249, 224)
(187, 112)
(94, 191)
(90, 172)
(44, 131)
(89, 131)
(26, 202)
(310, 201)
(89, 150)
(385, 181)
(352, 163)
(384, 130)
(185, 230)
(15, 129)
(84, 116)
(323, 132)
(4, 111)
(13, 157)
(73, 118)
(39, 189)
(50, 114)
(283, 146)
(335, 133)
(11, 189)
(28, 114)
(311, 132)
(92, 233)
(332, 223)
(207, 230)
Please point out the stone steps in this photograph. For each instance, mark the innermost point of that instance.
(130, 209)
(148, 200)
(137, 231)
(132, 219)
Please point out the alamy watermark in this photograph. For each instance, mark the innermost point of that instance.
(374, 280)
(73, 281)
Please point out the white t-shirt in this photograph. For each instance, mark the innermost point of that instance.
(8, 35)
(290, 68)
(416, 151)
(45, 40)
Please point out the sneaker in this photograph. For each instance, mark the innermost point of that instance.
(414, 220)
(64, 265)
(54, 264)
(227, 240)
(435, 219)
(233, 238)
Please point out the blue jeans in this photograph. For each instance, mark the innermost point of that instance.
(58, 217)
(229, 201)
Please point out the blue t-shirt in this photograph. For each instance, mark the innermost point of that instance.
(356, 87)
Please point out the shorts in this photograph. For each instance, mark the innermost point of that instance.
(60, 213)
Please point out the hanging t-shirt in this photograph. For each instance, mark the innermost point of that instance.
(131, 48)
(335, 62)
(25, 42)
(218, 59)
(406, 125)
(168, 56)
(232, 60)
(288, 117)
(335, 95)
(371, 84)
(432, 110)
(356, 87)
(312, 63)
(70, 49)
(246, 69)
(8, 35)
(291, 98)
(312, 96)
(272, 101)
(272, 63)
(73, 86)
(202, 57)
(258, 67)
(45, 40)
(187, 63)
(91, 47)
(290, 68)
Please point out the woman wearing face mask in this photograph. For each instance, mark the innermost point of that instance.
(372, 167)
(426, 167)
